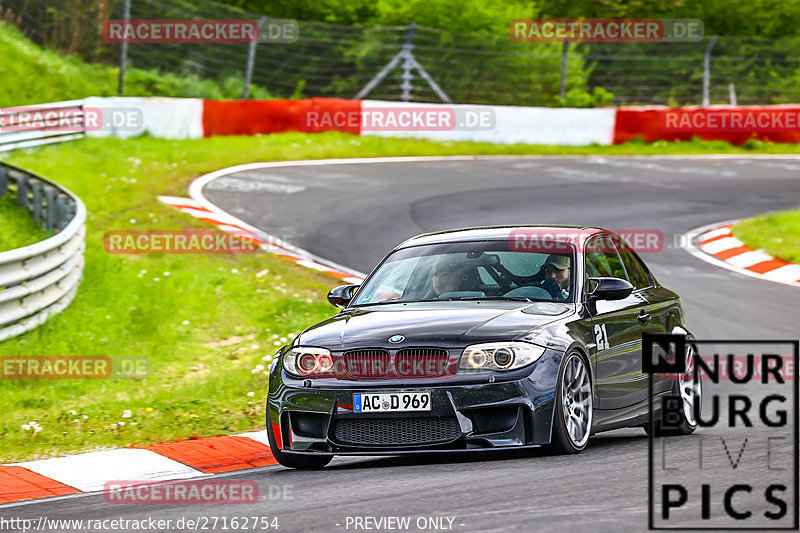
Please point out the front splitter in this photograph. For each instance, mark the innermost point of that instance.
(386, 453)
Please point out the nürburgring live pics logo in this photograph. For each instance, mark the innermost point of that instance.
(739, 470)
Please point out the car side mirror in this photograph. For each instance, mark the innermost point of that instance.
(609, 289)
(342, 295)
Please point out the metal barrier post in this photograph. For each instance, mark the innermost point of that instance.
(123, 52)
(562, 91)
(22, 192)
(251, 58)
(707, 71)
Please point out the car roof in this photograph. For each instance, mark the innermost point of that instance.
(484, 233)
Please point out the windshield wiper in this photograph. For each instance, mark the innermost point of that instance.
(465, 299)
(506, 298)
(386, 302)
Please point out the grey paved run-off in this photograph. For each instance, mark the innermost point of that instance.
(353, 214)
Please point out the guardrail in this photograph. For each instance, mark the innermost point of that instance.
(23, 127)
(40, 280)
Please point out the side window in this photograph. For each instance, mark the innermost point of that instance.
(637, 274)
(602, 259)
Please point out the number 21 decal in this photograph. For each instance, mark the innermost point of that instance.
(601, 337)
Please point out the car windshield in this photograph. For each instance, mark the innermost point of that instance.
(485, 270)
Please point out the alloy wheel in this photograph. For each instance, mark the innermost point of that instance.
(577, 401)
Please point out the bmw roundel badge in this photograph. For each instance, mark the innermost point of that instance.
(394, 339)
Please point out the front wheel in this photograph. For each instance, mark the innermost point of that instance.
(291, 460)
(572, 416)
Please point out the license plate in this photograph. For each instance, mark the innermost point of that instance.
(391, 402)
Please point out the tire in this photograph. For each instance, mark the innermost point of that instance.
(690, 394)
(573, 407)
(291, 460)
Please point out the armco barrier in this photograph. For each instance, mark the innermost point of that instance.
(40, 280)
(21, 137)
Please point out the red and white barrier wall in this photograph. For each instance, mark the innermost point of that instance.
(525, 125)
(248, 117)
(164, 118)
(775, 123)
(186, 118)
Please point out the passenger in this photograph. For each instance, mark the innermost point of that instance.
(451, 275)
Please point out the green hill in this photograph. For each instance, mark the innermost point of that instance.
(32, 75)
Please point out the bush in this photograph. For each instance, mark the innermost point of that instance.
(577, 97)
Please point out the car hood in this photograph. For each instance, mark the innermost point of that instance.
(431, 324)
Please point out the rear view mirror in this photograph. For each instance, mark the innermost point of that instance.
(609, 289)
(342, 295)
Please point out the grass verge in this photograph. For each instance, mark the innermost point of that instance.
(19, 228)
(205, 322)
(777, 234)
(30, 74)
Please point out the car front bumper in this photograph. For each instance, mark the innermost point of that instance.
(467, 414)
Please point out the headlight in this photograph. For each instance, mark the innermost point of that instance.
(306, 361)
(499, 356)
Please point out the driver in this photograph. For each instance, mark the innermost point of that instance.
(449, 275)
(556, 276)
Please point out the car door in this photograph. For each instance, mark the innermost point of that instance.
(655, 314)
(617, 327)
(661, 303)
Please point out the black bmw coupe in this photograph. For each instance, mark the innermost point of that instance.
(476, 339)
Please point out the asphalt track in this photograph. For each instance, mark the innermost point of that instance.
(354, 213)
